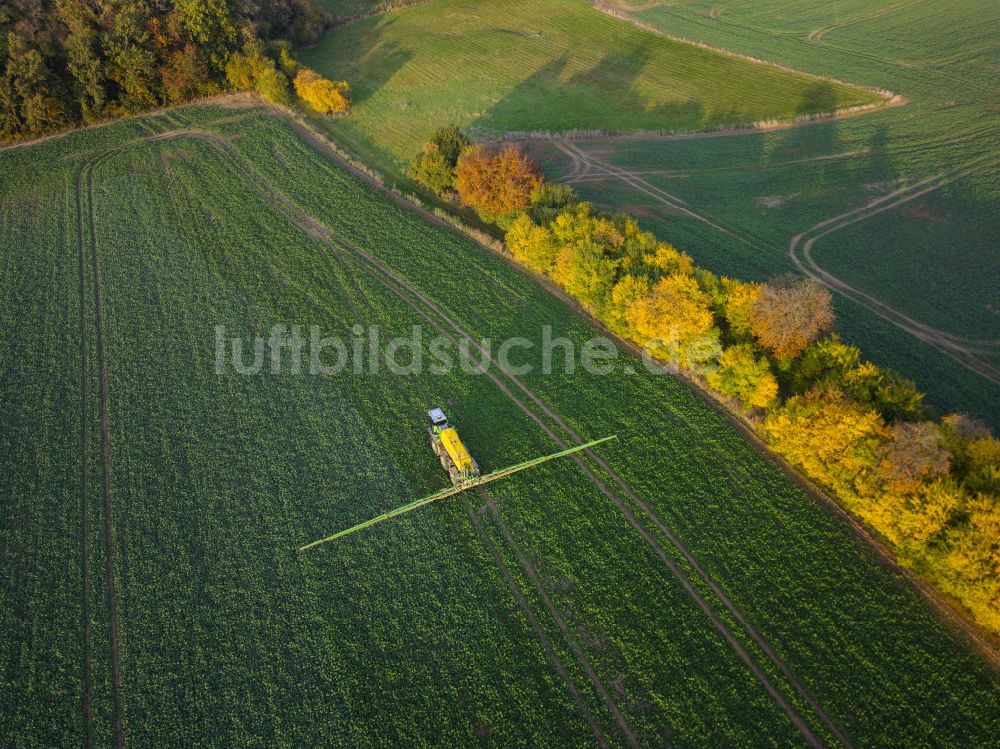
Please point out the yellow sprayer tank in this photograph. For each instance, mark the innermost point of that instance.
(456, 450)
(455, 459)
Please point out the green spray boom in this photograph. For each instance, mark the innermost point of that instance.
(452, 490)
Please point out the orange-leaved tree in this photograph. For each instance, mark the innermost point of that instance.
(790, 313)
(913, 456)
(496, 183)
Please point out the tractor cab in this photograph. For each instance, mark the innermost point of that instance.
(438, 420)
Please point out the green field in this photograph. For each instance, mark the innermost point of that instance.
(520, 65)
(931, 254)
(341, 9)
(683, 591)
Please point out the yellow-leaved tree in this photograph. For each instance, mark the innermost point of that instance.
(326, 96)
(671, 318)
(833, 439)
(532, 244)
(743, 375)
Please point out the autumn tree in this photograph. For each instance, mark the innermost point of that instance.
(532, 244)
(737, 300)
(628, 290)
(832, 438)
(184, 74)
(209, 24)
(671, 316)
(912, 456)
(586, 272)
(888, 392)
(83, 57)
(131, 60)
(976, 452)
(496, 183)
(743, 375)
(927, 511)
(252, 69)
(548, 199)
(973, 557)
(824, 362)
(789, 314)
(666, 260)
(580, 223)
(322, 95)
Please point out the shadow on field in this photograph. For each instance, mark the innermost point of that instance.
(377, 62)
(552, 100)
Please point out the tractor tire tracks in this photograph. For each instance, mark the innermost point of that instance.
(551, 655)
(85, 190)
(88, 716)
(962, 350)
(797, 720)
(536, 627)
(437, 318)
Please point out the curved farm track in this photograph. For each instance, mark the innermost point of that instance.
(965, 351)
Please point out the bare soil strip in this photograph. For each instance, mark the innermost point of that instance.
(109, 549)
(88, 718)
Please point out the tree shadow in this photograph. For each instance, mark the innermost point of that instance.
(820, 99)
(372, 63)
(593, 99)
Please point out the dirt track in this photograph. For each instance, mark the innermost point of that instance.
(963, 350)
(88, 718)
(85, 190)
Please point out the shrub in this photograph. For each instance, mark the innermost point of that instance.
(253, 70)
(322, 95)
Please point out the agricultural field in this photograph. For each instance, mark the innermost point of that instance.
(343, 9)
(673, 587)
(898, 205)
(524, 66)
